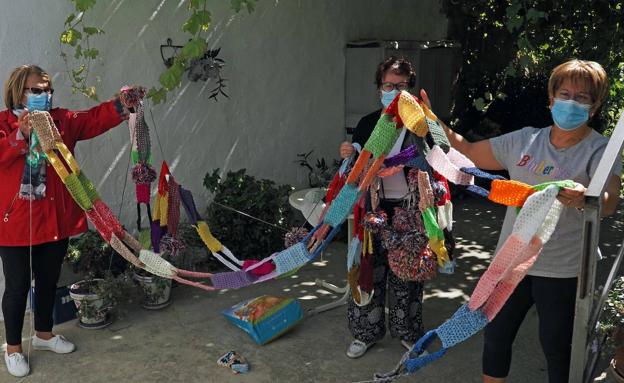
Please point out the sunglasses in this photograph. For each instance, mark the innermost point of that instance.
(40, 90)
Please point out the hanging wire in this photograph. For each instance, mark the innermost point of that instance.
(30, 247)
(123, 193)
(250, 216)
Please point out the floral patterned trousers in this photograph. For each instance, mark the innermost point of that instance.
(368, 323)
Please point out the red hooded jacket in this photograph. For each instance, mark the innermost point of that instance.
(56, 216)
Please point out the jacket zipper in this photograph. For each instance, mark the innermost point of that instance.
(9, 209)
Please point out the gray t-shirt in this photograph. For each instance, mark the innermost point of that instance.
(530, 157)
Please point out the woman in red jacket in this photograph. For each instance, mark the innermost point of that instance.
(37, 213)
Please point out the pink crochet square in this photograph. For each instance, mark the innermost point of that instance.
(511, 279)
(511, 249)
(143, 193)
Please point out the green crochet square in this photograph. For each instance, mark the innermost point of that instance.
(77, 191)
(560, 184)
(438, 135)
(431, 224)
(383, 137)
(88, 187)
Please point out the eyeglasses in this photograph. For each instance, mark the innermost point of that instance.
(40, 90)
(580, 98)
(390, 86)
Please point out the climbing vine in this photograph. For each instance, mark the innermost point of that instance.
(79, 54)
(76, 50)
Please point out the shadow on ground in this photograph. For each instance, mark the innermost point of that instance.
(182, 342)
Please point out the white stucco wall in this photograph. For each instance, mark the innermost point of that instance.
(285, 65)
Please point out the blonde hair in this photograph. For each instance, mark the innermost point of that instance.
(589, 72)
(14, 87)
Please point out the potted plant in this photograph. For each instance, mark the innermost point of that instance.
(612, 326)
(106, 280)
(157, 290)
(262, 200)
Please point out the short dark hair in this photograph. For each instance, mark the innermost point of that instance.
(398, 66)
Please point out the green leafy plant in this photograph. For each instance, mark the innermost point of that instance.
(91, 257)
(260, 198)
(320, 174)
(612, 320)
(509, 49)
(76, 49)
(105, 272)
(195, 255)
(197, 25)
(79, 54)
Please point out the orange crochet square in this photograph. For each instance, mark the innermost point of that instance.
(510, 192)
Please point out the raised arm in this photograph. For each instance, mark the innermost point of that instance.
(83, 125)
(479, 152)
(99, 119)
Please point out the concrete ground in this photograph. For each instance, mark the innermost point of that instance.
(182, 342)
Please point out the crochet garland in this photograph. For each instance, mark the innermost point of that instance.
(534, 225)
(85, 195)
(143, 174)
(439, 163)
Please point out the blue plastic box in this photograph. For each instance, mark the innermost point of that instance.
(64, 307)
(266, 317)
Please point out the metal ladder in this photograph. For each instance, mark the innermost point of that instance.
(585, 342)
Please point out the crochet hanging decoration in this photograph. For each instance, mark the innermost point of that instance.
(143, 174)
(533, 227)
(169, 193)
(405, 110)
(86, 196)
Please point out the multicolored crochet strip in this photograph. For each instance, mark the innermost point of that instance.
(143, 174)
(533, 227)
(105, 222)
(218, 250)
(405, 110)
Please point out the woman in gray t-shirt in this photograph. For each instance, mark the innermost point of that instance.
(569, 149)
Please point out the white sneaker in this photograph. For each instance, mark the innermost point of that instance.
(358, 348)
(57, 344)
(16, 364)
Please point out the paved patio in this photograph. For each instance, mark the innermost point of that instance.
(182, 342)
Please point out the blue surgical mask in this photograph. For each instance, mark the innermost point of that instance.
(388, 97)
(40, 102)
(569, 114)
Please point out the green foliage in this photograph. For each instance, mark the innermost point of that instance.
(614, 308)
(321, 173)
(76, 51)
(91, 257)
(78, 55)
(197, 25)
(260, 198)
(612, 320)
(195, 255)
(510, 47)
